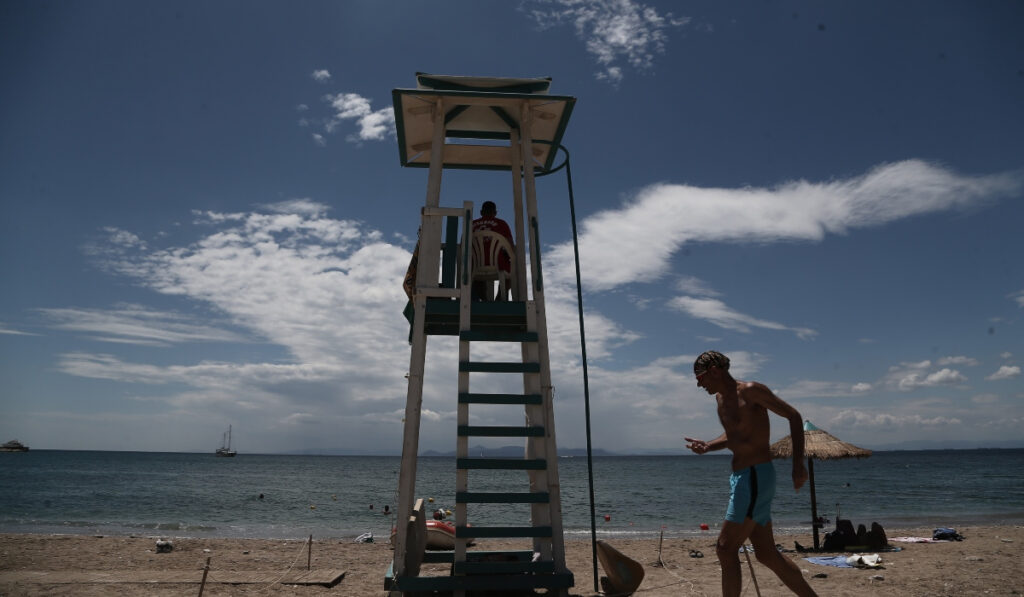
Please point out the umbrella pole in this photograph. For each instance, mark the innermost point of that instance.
(814, 502)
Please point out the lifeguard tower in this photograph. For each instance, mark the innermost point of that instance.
(501, 124)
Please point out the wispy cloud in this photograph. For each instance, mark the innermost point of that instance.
(6, 330)
(720, 314)
(321, 75)
(636, 242)
(136, 324)
(614, 31)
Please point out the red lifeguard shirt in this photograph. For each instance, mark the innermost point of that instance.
(501, 227)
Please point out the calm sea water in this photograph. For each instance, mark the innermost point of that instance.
(330, 496)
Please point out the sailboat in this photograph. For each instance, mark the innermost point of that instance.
(225, 446)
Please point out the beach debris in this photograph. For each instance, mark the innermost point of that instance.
(164, 546)
(878, 577)
(820, 575)
(865, 561)
(364, 538)
(704, 526)
(946, 534)
(696, 553)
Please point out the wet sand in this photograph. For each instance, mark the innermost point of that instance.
(986, 562)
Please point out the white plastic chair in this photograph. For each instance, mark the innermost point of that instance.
(490, 244)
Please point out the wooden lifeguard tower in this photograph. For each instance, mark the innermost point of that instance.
(500, 124)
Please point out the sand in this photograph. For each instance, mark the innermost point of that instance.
(986, 562)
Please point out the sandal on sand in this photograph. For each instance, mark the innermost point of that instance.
(695, 553)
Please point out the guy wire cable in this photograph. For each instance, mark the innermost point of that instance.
(583, 344)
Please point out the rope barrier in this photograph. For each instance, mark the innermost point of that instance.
(290, 566)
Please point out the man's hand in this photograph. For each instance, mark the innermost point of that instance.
(799, 474)
(697, 446)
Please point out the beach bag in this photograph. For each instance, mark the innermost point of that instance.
(876, 538)
(946, 534)
(838, 539)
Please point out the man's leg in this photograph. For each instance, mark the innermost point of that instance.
(763, 540)
(733, 535)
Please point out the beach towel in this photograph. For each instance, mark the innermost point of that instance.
(858, 561)
(837, 561)
(918, 540)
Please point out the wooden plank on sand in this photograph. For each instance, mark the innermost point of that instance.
(326, 578)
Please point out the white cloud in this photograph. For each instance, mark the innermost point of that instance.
(372, 125)
(612, 30)
(879, 421)
(910, 376)
(321, 75)
(636, 242)
(1005, 372)
(820, 389)
(1018, 298)
(985, 399)
(695, 286)
(960, 360)
(8, 331)
(862, 387)
(136, 324)
(319, 140)
(720, 314)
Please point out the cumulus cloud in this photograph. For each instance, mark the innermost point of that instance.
(321, 75)
(1005, 372)
(635, 243)
(613, 31)
(910, 376)
(373, 125)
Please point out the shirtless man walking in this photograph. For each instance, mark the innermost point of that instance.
(743, 410)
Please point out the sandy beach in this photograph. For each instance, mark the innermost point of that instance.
(985, 563)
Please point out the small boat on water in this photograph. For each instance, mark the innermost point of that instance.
(13, 446)
(225, 446)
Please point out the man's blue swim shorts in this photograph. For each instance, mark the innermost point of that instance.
(752, 491)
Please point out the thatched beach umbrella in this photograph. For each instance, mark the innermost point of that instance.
(820, 445)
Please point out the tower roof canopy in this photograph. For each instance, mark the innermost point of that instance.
(480, 113)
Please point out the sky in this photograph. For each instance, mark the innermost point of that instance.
(204, 221)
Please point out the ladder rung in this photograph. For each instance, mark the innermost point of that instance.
(480, 582)
(443, 211)
(500, 431)
(478, 367)
(475, 532)
(470, 398)
(524, 464)
(503, 567)
(448, 557)
(497, 336)
(474, 497)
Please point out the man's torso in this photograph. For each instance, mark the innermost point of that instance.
(747, 428)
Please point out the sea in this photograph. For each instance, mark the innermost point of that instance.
(341, 497)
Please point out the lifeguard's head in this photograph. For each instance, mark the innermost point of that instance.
(488, 209)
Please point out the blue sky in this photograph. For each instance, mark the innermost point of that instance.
(204, 220)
